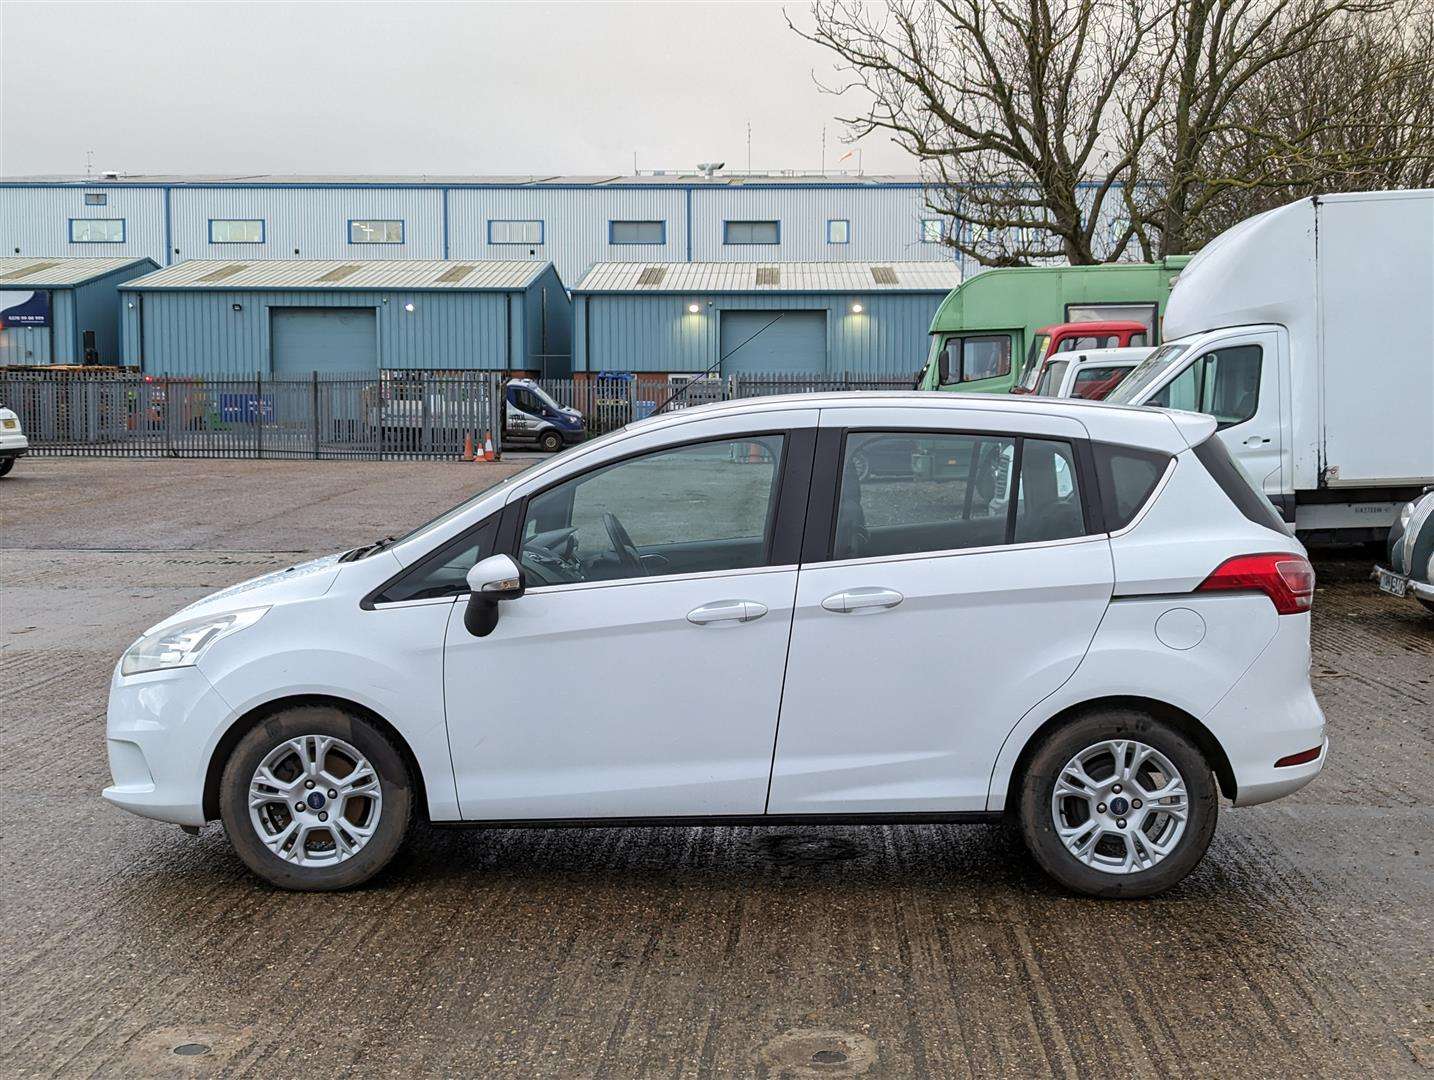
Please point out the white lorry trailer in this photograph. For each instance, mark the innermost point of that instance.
(1308, 333)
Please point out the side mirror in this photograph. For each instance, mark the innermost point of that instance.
(943, 368)
(496, 578)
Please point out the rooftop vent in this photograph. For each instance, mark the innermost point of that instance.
(338, 273)
(456, 272)
(224, 272)
(652, 276)
(26, 271)
(769, 275)
(885, 275)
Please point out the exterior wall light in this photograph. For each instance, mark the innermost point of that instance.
(408, 306)
(237, 307)
(857, 309)
(694, 308)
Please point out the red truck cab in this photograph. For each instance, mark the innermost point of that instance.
(1067, 337)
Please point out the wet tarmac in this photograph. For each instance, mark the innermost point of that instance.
(1300, 947)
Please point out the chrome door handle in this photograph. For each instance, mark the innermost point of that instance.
(727, 611)
(859, 599)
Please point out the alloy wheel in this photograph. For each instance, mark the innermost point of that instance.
(1120, 806)
(315, 800)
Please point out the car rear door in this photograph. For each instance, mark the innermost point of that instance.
(933, 610)
(648, 684)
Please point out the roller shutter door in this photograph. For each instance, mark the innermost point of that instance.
(326, 340)
(795, 343)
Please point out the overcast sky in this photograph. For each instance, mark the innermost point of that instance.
(413, 88)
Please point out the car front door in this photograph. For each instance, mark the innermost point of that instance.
(1237, 380)
(641, 673)
(937, 609)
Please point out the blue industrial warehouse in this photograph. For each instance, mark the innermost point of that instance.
(570, 221)
(740, 318)
(288, 318)
(62, 311)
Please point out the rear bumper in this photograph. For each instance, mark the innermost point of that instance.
(14, 446)
(1421, 589)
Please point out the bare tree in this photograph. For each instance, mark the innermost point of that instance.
(1012, 109)
(1089, 130)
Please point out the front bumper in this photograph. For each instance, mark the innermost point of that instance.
(573, 437)
(160, 731)
(1421, 590)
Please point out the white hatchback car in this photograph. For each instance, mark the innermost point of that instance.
(1077, 614)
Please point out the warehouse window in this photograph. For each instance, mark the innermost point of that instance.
(96, 230)
(637, 232)
(515, 232)
(96, 198)
(932, 231)
(375, 232)
(838, 231)
(751, 232)
(236, 231)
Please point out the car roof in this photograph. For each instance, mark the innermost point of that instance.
(1097, 326)
(1132, 355)
(1162, 429)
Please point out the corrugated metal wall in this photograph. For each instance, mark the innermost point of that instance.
(95, 305)
(658, 333)
(311, 223)
(36, 221)
(20, 345)
(453, 222)
(194, 332)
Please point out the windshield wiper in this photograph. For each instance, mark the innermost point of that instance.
(367, 549)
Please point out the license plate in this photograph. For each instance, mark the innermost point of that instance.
(1394, 584)
(11, 425)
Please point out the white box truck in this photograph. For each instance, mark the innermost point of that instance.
(1308, 333)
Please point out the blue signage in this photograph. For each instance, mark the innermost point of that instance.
(24, 307)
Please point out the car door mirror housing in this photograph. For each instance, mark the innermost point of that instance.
(497, 577)
(493, 579)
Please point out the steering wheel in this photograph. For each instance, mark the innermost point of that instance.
(622, 543)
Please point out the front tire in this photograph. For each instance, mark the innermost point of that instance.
(1118, 804)
(550, 442)
(315, 799)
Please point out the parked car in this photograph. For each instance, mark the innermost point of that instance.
(1054, 342)
(1097, 640)
(13, 443)
(1409, 566)
(532, 416)
(1091, 374)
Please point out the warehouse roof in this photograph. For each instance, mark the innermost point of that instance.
(675, 178)
(40, 273)
(777, 277)
(344, 274)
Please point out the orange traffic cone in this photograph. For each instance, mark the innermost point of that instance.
(488, 454)
(468, 446)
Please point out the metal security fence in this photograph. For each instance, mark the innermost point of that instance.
(388, 414)
(391, 414)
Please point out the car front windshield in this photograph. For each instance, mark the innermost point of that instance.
(1030, 370)
(1148, 372)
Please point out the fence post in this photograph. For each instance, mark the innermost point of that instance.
(258, 414)
(168, 414)
(314, 399)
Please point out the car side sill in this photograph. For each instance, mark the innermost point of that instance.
(920, 817)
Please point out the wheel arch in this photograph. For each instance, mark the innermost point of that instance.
(1178, 718)
(254, 717)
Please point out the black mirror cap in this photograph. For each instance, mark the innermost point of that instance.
(481, 616)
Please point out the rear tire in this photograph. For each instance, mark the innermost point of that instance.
(352, 782)
(6, 464)
(1118, 843)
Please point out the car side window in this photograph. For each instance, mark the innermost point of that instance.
(1223, 383)
(1051, 377)
(970, 359)
(445, 571)
(910, 492)
(688, 509)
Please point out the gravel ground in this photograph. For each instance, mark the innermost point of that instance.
(1301, 946)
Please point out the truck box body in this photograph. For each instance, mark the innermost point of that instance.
(1350, 279)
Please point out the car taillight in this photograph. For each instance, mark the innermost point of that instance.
(1288, 580)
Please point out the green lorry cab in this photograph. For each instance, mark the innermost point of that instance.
(983, 337)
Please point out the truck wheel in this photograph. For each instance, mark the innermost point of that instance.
(550, 442)
(314, 799)
(6, 464)
(1118, 804)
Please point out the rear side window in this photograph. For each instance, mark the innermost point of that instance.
(1234, 482)
(1127, 477)
(910, 492)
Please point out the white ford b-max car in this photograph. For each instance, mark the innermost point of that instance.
(826, 608)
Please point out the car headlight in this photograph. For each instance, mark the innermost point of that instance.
(182, 644)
